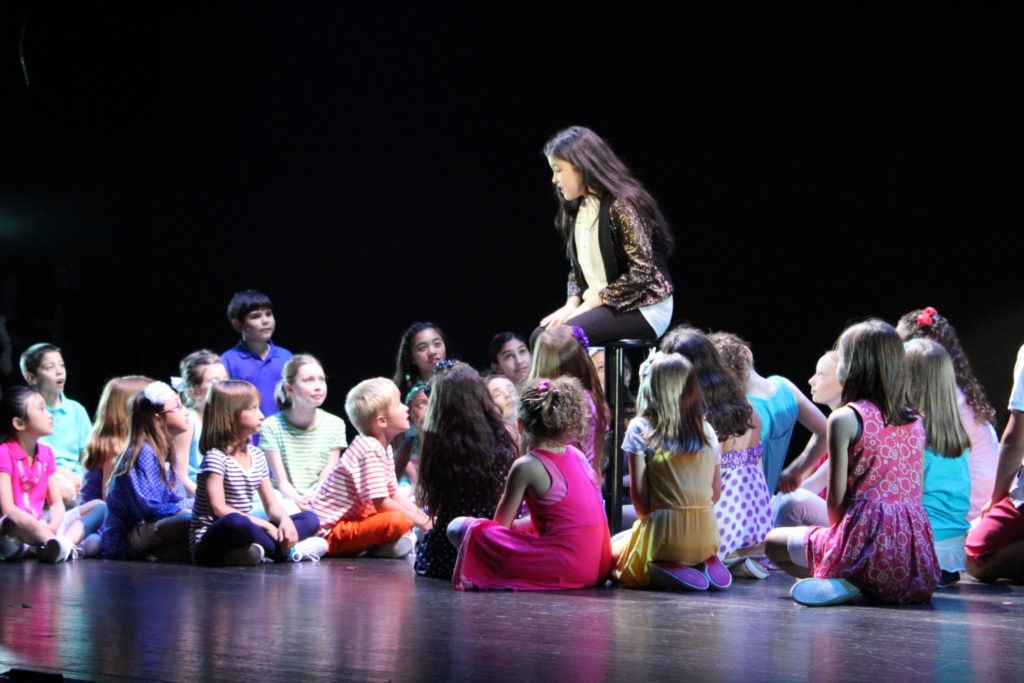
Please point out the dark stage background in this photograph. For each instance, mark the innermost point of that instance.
(370, 166)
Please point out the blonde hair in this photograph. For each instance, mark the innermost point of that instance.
(558, 353)
(369, 398)
(671, 400)
(933, 391)
(552, 410)
(227, 399)
(109, 434)
(288, 374)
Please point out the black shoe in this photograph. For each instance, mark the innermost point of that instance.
(947, 579)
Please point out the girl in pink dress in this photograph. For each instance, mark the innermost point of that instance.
(565, 541)
(879, 541)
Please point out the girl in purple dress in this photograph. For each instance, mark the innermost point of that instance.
(879, 541)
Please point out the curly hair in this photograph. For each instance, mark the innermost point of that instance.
(734, 352)
(552, 410)
(729, 412)
(940, 330)
(466, 444)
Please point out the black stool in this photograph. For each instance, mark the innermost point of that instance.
(616, 393)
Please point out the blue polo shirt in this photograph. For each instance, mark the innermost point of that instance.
(71, 427)
(263, 373)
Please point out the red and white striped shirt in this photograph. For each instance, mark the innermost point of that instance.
(365, 471)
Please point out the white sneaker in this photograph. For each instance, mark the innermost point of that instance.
(57, 549)
(311, 549)
(400, 547)
(245, 557)
(749, 569)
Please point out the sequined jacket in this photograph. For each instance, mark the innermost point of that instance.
(636, 275)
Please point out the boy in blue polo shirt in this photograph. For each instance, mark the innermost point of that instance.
(255, 358)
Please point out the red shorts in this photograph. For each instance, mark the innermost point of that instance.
(1001, 526)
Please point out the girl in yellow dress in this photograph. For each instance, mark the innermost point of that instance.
(675, 480)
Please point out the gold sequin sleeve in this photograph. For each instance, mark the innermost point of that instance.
(640, 283)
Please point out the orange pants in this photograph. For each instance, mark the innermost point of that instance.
(351, 537)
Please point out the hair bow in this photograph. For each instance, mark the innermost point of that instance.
(543, 385)
(927, 317)
(581, 336)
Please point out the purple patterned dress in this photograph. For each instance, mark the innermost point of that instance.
(883, 544)
(744, 510)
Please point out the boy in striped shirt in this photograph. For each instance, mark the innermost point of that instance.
(359, 505)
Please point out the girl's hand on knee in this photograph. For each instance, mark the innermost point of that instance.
(287, 536)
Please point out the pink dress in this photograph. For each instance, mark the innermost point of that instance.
(883, 544)
(572, 547)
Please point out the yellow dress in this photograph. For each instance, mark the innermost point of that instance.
(681, 527)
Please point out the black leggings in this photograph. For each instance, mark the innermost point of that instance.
(604, 324)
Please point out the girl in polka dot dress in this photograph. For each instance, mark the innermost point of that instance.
(744, 509)
(148, 512)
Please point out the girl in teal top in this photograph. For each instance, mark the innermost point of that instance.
(947, 477)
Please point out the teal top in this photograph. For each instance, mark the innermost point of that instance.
(947, 493)
(778, 417)
(71, 427)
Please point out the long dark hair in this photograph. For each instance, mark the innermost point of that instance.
(729, 411)
(466, 446)
(406, 372)
(603, 172)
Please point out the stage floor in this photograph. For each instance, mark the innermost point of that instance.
(374, 620)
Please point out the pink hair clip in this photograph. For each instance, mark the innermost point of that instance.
(543, 385)
(927, 317)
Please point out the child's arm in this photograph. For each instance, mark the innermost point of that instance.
(639, 489)
(716, 484)
(814, 420)
(1011, 453)
(332, 462)
(182, 449)
(289, 491)
(400, 503)
(284, 532)
(526, 472)
(842, 430)
(6, 494)
(55, 501)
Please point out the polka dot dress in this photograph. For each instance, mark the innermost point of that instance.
(743, 511)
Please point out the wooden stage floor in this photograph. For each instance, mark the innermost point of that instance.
(374, 620)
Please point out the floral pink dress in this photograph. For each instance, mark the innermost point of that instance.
(883, 544)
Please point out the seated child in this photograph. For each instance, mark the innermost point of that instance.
(302, 442)
(199, 370)
(109, 435)
(510, 356)
(675, 481)
(565, 542)
(359, 505)
(223, 530)
(407, 445)
(27, 484)
(467, 451)
(148, 512)
(42, 366)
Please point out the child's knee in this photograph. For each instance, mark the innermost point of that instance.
(455, 530)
